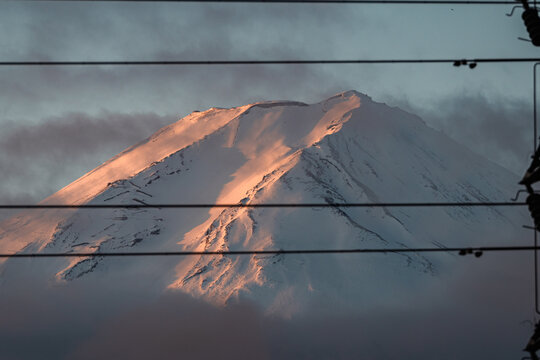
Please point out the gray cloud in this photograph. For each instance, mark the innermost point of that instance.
(162, 31)
(476, 310)
(177, 324)
(112, 30)
(38, 159)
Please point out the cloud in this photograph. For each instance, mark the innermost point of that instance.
(159, 32)
(177, 325)
(38, 159)
(467, 315)
(475, 310)
(143, 30)
(117, 318)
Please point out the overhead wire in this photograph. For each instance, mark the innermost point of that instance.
(454, 61)
(460, 250)
(264, 205)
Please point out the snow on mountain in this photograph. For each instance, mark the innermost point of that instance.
(347, 148)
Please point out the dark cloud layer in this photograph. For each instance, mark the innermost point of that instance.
(479, 309)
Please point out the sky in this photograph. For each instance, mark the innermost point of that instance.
(59, 123)
(44, 109)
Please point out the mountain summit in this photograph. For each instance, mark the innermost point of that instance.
(346, 148)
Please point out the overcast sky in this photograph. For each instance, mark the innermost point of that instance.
(58, 123)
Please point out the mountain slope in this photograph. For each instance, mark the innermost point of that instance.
(344, 149)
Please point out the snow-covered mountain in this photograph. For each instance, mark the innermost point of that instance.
(347, 148)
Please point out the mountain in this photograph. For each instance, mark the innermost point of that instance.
(347, 148)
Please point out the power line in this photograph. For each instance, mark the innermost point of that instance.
(264, 205)
(460, 250)
(340, 2)
(455, 62)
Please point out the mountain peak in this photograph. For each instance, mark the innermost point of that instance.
(346, 148)
(350, 93)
